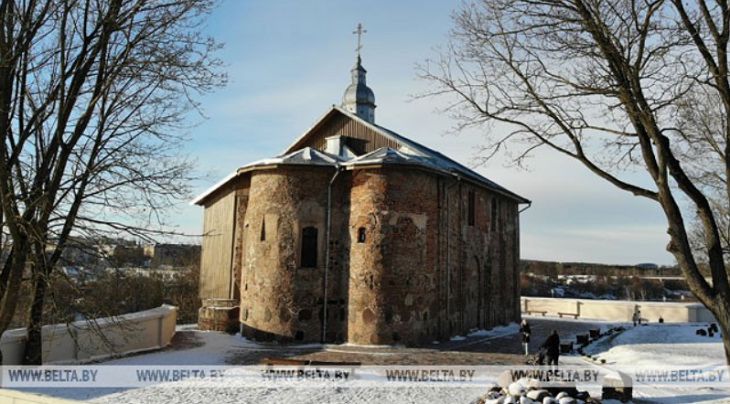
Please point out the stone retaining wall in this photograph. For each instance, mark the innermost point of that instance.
(82, 341)
(618, 310)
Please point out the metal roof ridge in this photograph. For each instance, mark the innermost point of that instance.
(430, 153)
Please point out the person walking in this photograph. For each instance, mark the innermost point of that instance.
(525, 330)
(636, 318)
(552, 348)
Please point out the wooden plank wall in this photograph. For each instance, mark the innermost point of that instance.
(215, 261)
(344, 126)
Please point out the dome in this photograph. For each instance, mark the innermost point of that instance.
(359, 98)
(358, 93)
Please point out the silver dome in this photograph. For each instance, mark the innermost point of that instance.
(359, 98)
(358, 93)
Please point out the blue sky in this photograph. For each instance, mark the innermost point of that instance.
(288, 61)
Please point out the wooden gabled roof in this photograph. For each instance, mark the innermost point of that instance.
(375, 145)
(338, 121)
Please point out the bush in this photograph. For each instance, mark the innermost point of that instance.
(118, 292)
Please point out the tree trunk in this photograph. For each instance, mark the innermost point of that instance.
(721, 309)
(34, 345)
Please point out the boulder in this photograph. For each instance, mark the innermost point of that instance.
(504, 379)
(516, 389)
(538, 395)
(567, 400)
(493, 395)
(568, 388)
(549, 400)
(532, 384)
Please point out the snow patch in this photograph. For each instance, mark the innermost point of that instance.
(657, 345)
(498, 331)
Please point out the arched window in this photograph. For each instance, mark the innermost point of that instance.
(361, 235)
(309, 247)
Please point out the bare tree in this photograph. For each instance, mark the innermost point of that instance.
(93, 101)
(701, 119)
(612, 84)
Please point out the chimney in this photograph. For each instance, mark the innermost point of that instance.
(334, 145)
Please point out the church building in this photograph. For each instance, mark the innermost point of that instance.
(358, 234)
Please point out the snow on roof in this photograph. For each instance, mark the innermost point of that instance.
(305, 156)
(409, 152)
(387, 155)
(403, 156)
(198, 199)
(434, 158)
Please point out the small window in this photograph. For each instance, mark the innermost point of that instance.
(361, 235)
(471, 211)
(309, 247)
(493, 218)
(262, 237)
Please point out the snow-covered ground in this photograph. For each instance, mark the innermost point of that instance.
(665, 347)
(661, 345)
(217, 348)
(657, 345)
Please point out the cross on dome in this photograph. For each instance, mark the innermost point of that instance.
(359, 98)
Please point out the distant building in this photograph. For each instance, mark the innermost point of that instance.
(356, 233)
(172, 255)
(127, 256)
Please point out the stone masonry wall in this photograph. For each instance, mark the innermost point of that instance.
(365, 318)
(281, 300)
(424, 272)
(405, 263)
(392, 286)
(479, 267)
